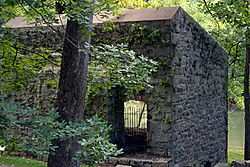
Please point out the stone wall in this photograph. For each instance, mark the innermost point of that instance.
(152, 39)
(199, 99)
(158, 98)
(187, 103)
(147, 38)
(37, 37)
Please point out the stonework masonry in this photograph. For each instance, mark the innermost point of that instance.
(187, 104)
(199, 100)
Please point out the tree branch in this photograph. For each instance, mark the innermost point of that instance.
(35, 52)
(14, 60)
(45, 21)
(59, 15)
(209, 11)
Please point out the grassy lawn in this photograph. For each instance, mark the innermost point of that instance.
(234, 154)
(21, 162)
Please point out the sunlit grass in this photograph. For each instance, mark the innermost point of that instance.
(21, 162)
(234, 154)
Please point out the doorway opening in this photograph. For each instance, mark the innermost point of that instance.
(135, 126)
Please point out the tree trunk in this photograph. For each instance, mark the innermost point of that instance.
(246, 99)
(72, 92)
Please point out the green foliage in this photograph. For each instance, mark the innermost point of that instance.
(35, 83)
(227, 25)
(235, 93)
(6, 11)
(95, 142)
(18, 70)
(168, 120)
(140, 35)
(37, 129)
(114, 65)
(233, 12)
(232, 39)
(35, 132)
(232, 35)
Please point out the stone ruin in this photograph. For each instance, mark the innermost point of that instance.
(187, 104)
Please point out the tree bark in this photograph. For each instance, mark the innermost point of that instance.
(246, 98)
(72, 91)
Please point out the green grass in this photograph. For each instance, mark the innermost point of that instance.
(234, 154)
(21, 162)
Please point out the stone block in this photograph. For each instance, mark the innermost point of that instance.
(248, 163)
(136, 163)
(147, 165)
(238, 163)
(156, 151)
(112, 160)
(222, 165)
(124, 161)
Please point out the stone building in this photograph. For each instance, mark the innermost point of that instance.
(187, 104)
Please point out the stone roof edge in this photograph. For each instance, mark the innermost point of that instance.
(13, 24)
(177, 8)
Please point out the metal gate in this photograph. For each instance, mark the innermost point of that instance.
(135, 122)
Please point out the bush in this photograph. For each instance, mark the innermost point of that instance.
(35, 132)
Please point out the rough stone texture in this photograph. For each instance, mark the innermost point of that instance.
(36, 37)
(222, 165)
(159, 96)
(199, 99)
(122, 166)
(240, 163)
(140, 161)
(187, 104)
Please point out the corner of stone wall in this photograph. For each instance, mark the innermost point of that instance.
(199, 98)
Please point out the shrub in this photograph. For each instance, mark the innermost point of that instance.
(36, 132)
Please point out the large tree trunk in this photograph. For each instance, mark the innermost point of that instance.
(246, 99)
(72, 92)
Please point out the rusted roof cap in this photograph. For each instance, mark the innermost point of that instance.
(21, 22)
(132, 15)
(147, 14)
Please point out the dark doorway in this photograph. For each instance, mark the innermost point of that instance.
(135, 126)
